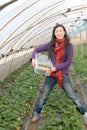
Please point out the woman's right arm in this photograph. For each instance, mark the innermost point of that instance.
(41, 48)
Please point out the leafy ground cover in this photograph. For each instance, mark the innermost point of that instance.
(80, 61)
(60, 113)
(16, 97)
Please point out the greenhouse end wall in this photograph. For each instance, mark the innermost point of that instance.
(12, 62)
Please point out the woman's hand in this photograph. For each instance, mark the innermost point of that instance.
(33, 62)
(49, 71)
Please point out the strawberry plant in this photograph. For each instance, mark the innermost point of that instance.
(80, 62)
(16, 96)
(60, 113)
(17, 92)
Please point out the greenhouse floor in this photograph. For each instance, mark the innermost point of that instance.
(19, 94)
(35, 126)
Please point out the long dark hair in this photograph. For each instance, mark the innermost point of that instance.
(52, 41)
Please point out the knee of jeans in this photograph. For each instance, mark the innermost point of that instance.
(42, 99)
(79, 103)
(72, 96)
(44, 94)
(46, 90)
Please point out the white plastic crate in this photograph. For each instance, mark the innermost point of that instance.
(42, 63)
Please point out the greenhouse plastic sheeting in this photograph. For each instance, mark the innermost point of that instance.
(28, 23)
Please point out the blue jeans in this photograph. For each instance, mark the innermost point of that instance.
(48, 85)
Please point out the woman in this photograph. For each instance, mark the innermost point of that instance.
(60, 51)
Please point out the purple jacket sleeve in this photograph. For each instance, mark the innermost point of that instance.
(67, 63)
(41, 48)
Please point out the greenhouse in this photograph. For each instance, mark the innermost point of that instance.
(25, 26)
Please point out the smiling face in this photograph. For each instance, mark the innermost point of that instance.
(59, 32)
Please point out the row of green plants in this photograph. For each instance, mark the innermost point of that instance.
(80, 61)
(17, 94)
(60, 113)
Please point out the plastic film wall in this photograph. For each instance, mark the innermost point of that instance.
(28, 23)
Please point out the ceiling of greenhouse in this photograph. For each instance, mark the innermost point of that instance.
(27, 23)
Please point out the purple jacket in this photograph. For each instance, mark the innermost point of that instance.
(64, 65)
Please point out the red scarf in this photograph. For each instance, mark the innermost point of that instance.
(58, 51)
